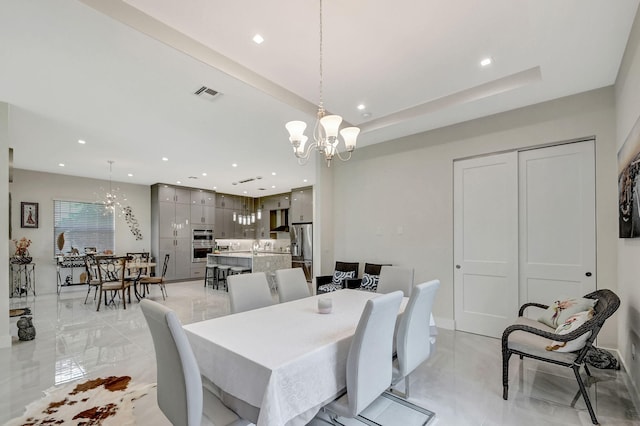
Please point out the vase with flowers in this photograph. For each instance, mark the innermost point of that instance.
(22, 251)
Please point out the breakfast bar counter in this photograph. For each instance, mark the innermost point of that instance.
(267, 262)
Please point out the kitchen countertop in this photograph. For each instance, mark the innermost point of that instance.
(248, 254)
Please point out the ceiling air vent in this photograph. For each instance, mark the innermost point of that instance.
(247, 180)
(206, 93)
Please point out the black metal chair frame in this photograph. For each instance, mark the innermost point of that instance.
(608, 303)
(144, 282)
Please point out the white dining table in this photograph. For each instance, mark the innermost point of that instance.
(287, 360)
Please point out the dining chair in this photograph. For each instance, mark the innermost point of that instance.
(93, 277)
(370, 277)
(159, 281)
(112, 279)
(369, 370)
(180, 394)
(248, 291)
(341, 273)
(413, 341)
(393, 278)
(567, 345)
(137, 258)
(292, 284)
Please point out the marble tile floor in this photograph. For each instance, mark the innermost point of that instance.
(461, 382)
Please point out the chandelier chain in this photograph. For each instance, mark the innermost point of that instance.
(327, 127)
(321, 82)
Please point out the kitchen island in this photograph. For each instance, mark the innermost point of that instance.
(267, 262)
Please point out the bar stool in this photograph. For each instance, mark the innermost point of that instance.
(221, 274)
(210, 273)
(239, 270)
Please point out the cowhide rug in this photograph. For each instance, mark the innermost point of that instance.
(101, 401)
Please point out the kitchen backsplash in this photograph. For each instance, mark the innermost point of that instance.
(279, 245)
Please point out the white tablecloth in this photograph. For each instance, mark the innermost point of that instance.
(286, 359)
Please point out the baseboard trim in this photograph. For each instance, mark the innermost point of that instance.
(445, 323)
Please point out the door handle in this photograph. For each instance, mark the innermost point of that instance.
(458, 266)
(588, 274)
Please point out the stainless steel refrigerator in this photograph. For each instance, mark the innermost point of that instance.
(302, 248)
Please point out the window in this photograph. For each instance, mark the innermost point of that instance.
(84, 225)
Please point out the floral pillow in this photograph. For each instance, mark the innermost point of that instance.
(340, 276)
(559, 311)
(571, 324)
(369, 282)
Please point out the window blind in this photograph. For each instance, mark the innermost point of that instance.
(84, 225)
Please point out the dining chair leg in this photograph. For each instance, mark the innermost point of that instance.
(87, 296)
(99, 301)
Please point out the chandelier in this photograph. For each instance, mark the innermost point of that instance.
(325, 132)
(111, 199)
(247, 215)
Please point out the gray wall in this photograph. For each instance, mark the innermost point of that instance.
(5, 337)
(43, 188)
(393, 202)
(627, 91)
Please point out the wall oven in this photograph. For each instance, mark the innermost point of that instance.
(202, 243)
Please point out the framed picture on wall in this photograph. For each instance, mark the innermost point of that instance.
(28, 215)
(629, 185)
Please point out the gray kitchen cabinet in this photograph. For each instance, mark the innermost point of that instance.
(174, 220)
(202, 197)
(168, 193)
(197, 271)
(301, 205)
(227, 201)
(224, 225)
(203, 207)
(171, 229)
(179, 251)
(281, 201)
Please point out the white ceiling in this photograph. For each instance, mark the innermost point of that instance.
(84, 70)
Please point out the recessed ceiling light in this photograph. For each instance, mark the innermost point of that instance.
(234, 165)
(61, 164)
(178, 182)
(130, 175)
(273, 186)
(244, 192)
(257, 39)
(304, 180)
(273, 173)
(361, 107)
(215, 187)
(165, 159)
(81, 142)
(204, 174)
(486, 62)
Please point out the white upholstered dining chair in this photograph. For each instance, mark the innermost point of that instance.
(369, 369)
(248, 291)
(180, 394)
(413, 341)
(393, 278)
(292, 284)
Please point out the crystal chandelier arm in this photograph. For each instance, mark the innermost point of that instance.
(346, 158)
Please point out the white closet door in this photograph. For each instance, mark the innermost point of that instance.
(486, 243)
(557, 222)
